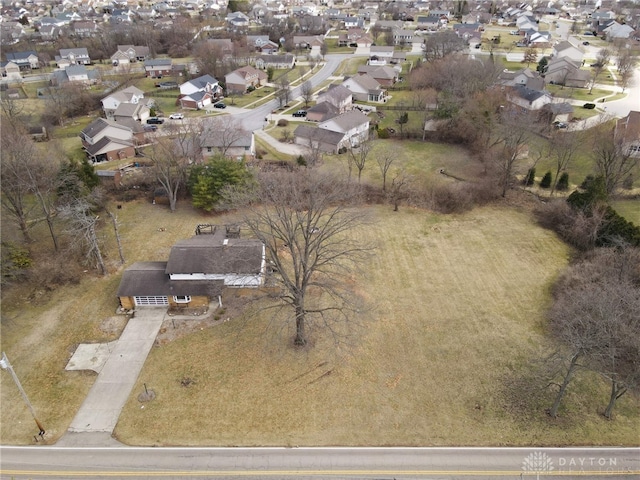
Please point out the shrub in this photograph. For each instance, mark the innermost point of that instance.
(383, 133)
(301, 161)
(563, 182)
(627, 183)
(250, 88)
(530, 177)
(283, 122)
(546, 180)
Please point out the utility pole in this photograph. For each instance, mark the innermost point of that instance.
(5, 365)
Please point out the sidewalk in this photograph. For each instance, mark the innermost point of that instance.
(97, 417)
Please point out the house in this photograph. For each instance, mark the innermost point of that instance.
(158, 67)
(402, 37)
(558, 112)
(322, 139)
(308, 41)
(111, 102)
(527, 98)
(240, 147)
(83, 29)
(563, 71)
(616, 30)
(237, 20)
(73, 73)
(49, 32)
(279, 62)
(244, 77)
(262, 44)
(73, 56)
(199, 269)
(524, 76)
(10, 71)
(199, 92)
(132, 111)
(354, 125)
(364, 41)
(627, 133)
(24, 60)
(385, 76)
(338, 96)
(126, 54)
(380, 55)
(353, 22)
(428, 22)
(568, 50)
(104, 140)
(365, 89)
(322, 111)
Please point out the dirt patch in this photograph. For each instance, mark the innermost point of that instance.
(114, 326)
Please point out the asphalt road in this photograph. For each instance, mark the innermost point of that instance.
(300, 463)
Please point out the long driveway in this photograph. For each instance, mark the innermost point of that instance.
(101, 408)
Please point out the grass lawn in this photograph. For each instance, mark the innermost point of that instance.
(455, 311)
(578, 93)
(350, 66)
(629, 209)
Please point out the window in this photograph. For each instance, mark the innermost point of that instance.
(209, 149)
(182, 298)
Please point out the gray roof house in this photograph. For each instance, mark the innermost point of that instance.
(73, 56)
(365, 89)
(339, 96)
(324, 140)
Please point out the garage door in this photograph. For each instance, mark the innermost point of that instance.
(151, 301)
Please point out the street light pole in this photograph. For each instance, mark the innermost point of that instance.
(5, 365)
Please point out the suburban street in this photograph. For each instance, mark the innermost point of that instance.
(300, 463)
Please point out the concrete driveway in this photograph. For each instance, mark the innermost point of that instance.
(101, 408)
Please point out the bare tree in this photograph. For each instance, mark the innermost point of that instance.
(602, 60)
(385, 158)
(283, 91)
(307, 92)
(314, 154)
(612, 158)
(441, 44)
(359, 155)
(530, 56)
(595, 316)
(83, 223)
(563, 148)
(304, 219)
(170, 162)
(626, 63)
(398, 187)
(116, 231)
(224, 131)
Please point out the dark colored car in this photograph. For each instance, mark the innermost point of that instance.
(220, 105)
(300, 113)
(155, 121)
(150, 128)
(589, 106)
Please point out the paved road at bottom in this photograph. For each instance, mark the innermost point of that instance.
(331, 463)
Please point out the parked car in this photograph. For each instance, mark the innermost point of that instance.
(560, 125)
(586, 43)
(155, 121)
(176, 116)
(219, 105)
(589, 106)
(150, 128)
(300, 113)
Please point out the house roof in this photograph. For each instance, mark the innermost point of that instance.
(367, 82)
(348, 120)
(203, 81)
(528, 94)
(17, 56)
(272, 59)
(558, 108)
(211, 138)
(339, 93)
(318, 134)
(150, 279)
(80, 52)
(107, 144)
(157, 62)
(382, 72)
(628, 128)
(328, 109)
(208, 254)
(126, 109)
(98, 125)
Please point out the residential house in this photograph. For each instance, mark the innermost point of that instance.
(428, 22)
(138, 112)
(24, 60)
(279, 62)
(83, 29)
(310, 42)
(322, 111)
(568, 50)
(563, 71)
(527, 98)
(241, 146)
(10, 71)
(132, 95)
(199, 270)
(385, 76)
(364, 41)
(49, 32)
(73, 56)
(126, 54)
(538, 39)
(158, 67)
(242, 78)
(319, 138)
(558, 112)
(616, 30)
(354, 125)
(262, 44)
(104, 140)
(627, 133)
(365, 89)
(199, 92)
(380, 55)
(11, 32)
(524, 76)
(73, 74)
(337, 95)
(237, 20)
(402, 37)
(353, 22)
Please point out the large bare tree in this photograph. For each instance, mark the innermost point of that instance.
(602, 60)
(611, 156)
(563, 147)
(360, 153)
(305, 220)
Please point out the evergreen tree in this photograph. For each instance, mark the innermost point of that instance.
(546, 180)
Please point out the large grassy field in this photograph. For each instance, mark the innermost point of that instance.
(455, 312)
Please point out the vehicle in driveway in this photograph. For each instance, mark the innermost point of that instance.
(300, 113)
(150, 128)
(219, 105)
(176, 116)
(560, 125)
(155, 121)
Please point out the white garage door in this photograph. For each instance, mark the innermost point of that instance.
(151, 301)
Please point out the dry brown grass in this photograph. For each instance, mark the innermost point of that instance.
(456, 306)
